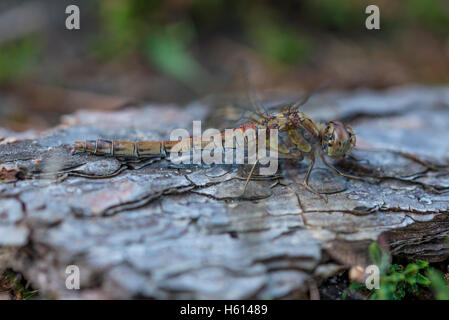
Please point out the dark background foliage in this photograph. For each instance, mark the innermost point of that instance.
(180, 50)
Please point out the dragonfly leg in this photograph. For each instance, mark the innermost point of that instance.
(338, 171)
(306, 179)
(249, 176)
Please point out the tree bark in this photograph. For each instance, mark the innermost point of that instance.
(152, 229)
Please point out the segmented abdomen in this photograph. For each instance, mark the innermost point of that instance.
(146, 148)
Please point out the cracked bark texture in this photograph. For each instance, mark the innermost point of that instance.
(152, 229)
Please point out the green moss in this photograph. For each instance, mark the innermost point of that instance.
(339, 15)
(119, 35)
(440, 287)
(433, 14)
(276, 40)
(17, 58)
(13, 281)
(141, 27)
(397, 281)
(167, 48)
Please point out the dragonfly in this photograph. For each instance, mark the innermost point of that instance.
(299, 138)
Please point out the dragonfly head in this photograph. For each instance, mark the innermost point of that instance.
(337, 139)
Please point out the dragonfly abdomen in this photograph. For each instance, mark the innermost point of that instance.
(145, 148)
(122, 148)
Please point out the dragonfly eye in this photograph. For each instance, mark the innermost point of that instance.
(352, 137)
(338, 140)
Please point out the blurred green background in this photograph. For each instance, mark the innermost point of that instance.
(180, 50)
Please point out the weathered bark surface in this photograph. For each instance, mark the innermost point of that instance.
(155, 230)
